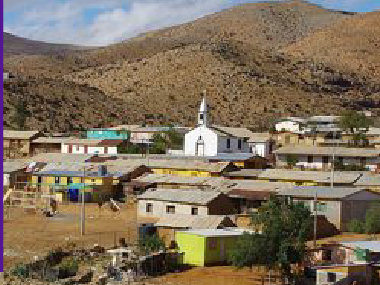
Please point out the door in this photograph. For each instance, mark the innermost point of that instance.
(222, 250)
(70, 148)
(199, 149)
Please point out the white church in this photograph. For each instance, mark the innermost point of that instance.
(205, 140)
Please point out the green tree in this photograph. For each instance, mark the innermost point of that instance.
(152, 243)
(159, 144)
(283, 228)
(21, 114)
(357, 124)
(173, 138)
(292, 160)
(356, 226)
(372, 219)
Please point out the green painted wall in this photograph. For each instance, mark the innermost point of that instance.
(216, 249)
(193, 246)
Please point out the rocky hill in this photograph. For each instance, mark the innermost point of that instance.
(14, 45)
(255, 61)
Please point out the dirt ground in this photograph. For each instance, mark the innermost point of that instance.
(32, 234)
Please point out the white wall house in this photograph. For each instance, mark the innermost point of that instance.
(89, 146)
(290, 124)
(191, 202)
(261, 144)
(211, 141)
(321, 157)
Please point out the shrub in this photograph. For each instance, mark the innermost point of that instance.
(372, 219)
(21, 271)
(356, 226)
(68, 268)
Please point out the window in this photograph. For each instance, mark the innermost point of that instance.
(331, 277)
(77, 147)
(211, 243)
(239, 143)
(310, 159)
(363, 161)
(170, 209)
(149, 208)
(69, 180)
(327, 254)
(194, 211)
(201, 116)
(228, 143)
(92, 180)
(325, 159)
(39, 179)
(321, 206)
(57, 180)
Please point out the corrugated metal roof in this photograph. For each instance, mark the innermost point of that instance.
(84, 141)
(327, 151)
(14, 165)
(10, 134)
(191, 222)
(245, 173)
(236, 132)
(322, 192)
(213, 232)
(193, 180)
(191, 196)
(175, 164)
(368, 180)
(259, 185)
(371, 245)
(119, 128)
(315, 176)
(57, 140)
(60, 157)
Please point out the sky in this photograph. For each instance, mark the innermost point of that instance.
(104, 22)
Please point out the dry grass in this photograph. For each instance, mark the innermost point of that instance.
(235, 55)
(27, 235)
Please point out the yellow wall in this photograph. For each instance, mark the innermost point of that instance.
(180, 172)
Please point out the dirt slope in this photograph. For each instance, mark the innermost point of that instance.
(253, 61)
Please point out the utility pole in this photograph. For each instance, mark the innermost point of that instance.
(82, 224)
(315, 220)
(332, 162)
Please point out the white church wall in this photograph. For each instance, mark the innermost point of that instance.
(210, 141)
(234, 145)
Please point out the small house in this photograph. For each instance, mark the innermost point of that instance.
(14, 172)
(92, 146)
(290, 124)
(48, 144)
(204, 247)
(339, 205)
(16, 144)
(167, 226)
(167, 202)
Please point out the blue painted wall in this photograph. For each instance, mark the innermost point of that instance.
(107, 134)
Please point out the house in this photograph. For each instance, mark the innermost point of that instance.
(205, 140)
(106, 179)
(321, 157)
(310, 178)
(14, 173)
(290, 124)
(48, 144)
(16, 144)
(184, 182)
(261, 144)
(339, 205)
(92, 146)
(145, 134)
(341, 260)
(203, 247)
(164, 202)
(121, 132)
(167, 226)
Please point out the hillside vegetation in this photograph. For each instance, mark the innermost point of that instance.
(256, 62)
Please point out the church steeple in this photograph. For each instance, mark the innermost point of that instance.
(202, 114)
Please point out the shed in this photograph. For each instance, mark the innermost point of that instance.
(206, 246)
(167, 226)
